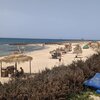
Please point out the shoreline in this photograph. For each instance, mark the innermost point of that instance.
(34, 47)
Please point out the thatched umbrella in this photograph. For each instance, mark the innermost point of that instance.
(17, 59)
(77, 49)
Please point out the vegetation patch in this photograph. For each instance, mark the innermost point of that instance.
(60, 83)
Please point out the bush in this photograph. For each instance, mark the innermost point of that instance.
(56, 84)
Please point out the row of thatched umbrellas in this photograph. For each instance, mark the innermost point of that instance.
(17, 58)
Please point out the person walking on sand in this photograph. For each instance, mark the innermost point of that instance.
(60, 59)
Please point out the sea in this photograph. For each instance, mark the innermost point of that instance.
(10, 45)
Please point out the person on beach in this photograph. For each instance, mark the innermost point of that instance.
(16, 73)
(21, 71)
(60, 59)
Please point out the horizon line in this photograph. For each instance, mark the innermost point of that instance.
(50, 38)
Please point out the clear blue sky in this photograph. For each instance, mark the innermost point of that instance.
(50, 19)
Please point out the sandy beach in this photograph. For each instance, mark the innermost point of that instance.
(42, 58)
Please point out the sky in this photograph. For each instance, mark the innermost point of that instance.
(57, 19)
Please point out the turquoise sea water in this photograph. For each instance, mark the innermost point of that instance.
(6, 49)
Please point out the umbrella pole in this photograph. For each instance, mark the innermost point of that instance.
(30, 66)
(16, 65)
(1, 70)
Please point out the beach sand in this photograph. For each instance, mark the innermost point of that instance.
(42, 59)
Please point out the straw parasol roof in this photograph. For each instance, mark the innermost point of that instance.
(77, 49)
(17, 58)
